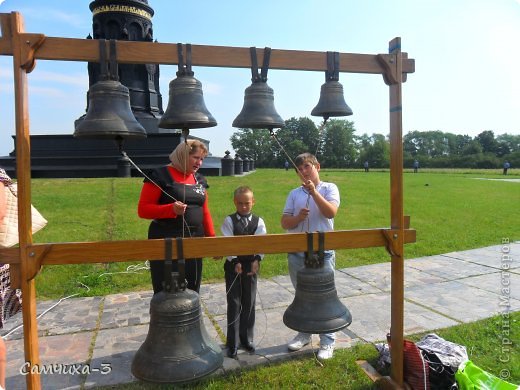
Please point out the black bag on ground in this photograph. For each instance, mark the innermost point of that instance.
(444, 358)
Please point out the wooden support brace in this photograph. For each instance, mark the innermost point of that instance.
(389, 64)
(392, 243)
(29, 45)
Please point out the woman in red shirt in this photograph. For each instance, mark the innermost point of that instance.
(175, 198)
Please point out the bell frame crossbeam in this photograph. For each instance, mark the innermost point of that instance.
(27, 259)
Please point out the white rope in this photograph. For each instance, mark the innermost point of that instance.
(46, 311)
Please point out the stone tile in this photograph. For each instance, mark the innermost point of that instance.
(120, 310)
(496, 256)
(214, 298)
(347, 285)
(448, 268)
(67, 353)
(55, 317)
(371, 317)
(271, 295)
(503, 283)
(284, 281)
(460, 301)
(377, 277)
(115, 349)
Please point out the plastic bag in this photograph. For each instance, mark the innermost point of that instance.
(471, 377)
(444, 359)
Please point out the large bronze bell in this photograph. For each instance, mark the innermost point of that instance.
(109, 115)
(177, 348)
(332, 102)
(258, 111)
(186, 108)
(316, 307)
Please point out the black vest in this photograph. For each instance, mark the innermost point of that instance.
(238, 230)
(194, 195)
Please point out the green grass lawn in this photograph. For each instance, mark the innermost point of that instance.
(450, 210)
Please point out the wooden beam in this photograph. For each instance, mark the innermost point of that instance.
(134, 250)
(73, 49)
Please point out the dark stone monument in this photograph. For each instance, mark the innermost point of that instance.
(239, 165)
(66, 156)
(228, 165)
(246, 164)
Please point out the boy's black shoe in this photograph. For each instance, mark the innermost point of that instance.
(232, 352)
(249, 347)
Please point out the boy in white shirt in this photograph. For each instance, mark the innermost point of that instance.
(309, 208)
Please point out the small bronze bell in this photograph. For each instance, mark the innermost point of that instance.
(177, 348)
(258, 111)
(186, 108)
(316, 307)
(332, 102)
(109, 115)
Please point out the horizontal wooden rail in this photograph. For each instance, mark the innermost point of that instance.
(134, 250)
(73, 49)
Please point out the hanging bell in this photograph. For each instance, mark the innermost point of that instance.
(186, 108)
(316, 307)
(109, 115)
(332, 102)
(177, 348)
(258, 111)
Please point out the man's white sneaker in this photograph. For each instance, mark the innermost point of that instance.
(300, 341)
(326, 352)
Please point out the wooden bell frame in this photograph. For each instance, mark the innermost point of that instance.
(27, 260)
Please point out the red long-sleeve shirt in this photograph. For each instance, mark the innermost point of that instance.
(149, 207)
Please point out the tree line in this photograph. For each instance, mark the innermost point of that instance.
(337, 146)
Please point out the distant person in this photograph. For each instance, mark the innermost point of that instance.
(506, 167)
(286, 165)
(309, 208)
(175, 198)
(241, 274)
(415, 166)
(365, 165)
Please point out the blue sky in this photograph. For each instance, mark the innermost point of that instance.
(467, 55)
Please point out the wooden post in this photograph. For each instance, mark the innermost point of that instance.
(23, 173)
(396, 210)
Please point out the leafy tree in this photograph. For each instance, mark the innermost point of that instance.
(339, 147)
(255, 144)
(299, 135)
(473, 147)
(461, 141)
(375, 150)
(487, 141)
(507, 143)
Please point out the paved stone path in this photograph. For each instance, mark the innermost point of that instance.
(105, 332)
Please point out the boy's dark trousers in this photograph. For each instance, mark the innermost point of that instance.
(241, 298)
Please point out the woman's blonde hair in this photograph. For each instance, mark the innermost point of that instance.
(179, 156)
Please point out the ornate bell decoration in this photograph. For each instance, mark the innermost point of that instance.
(332, 101)
(177, 348)
(258, 111)
(316, 307)
(186, 108)
(109, 115)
